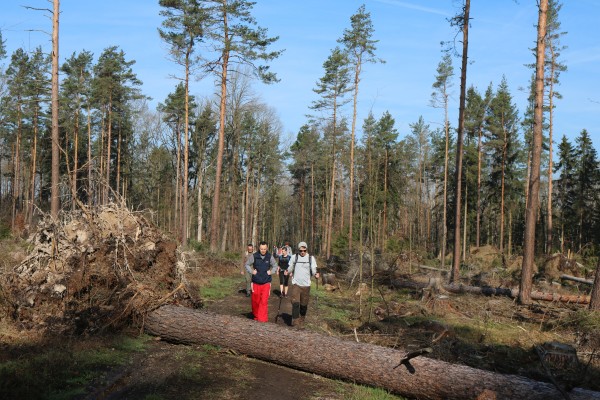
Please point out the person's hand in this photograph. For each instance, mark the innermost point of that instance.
(285, 273)
(268, 272)
(317, 275)
(254, 272)
(242, 272)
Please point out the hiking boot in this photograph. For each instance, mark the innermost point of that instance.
(298, 322)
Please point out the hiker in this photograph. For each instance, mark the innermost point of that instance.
(288, 247)
(284, 263)
(302, 267)
(248, 275)
(261, 265)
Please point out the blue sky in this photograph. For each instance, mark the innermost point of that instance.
(409, 33)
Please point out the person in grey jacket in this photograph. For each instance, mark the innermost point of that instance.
(302, 267)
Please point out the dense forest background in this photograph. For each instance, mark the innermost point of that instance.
(213, 170)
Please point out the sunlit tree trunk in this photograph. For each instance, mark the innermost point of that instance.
(479, 156)
(312, 205)
(54, 199)
(33, 169)
(199, 216)
(550, 164)
(534, 181)
(118, 180)
(89, 156)
(108, 150)
(186, 152)
(215, 214)
(502, 180)
(459, 143)
(255, 213)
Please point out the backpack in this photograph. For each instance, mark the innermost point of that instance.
(309, 262)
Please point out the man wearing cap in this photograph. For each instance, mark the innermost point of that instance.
(261, 265)
(302, 267)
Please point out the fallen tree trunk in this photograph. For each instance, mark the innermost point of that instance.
(491, 291)
(577, 279)
(358, 362)
(514, 293)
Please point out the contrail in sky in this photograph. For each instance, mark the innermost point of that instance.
(414, 7)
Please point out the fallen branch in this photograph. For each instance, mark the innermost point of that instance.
(406, 359)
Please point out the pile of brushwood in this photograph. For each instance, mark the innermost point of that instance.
(94, 269)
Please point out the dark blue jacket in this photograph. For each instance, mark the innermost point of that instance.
(262, 265)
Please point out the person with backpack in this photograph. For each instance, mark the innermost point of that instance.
(302, 267)
(262, 265)
(284, 263)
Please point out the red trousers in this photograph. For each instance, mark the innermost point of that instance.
(260, 301)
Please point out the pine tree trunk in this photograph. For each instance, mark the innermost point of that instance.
(33, 170)
(351, 197)
(534, 181)
(363, 363)
(118, 180)
(459, 144)
(108, 148)
(89, 156)
(215, 214)
(186, 152)
(502, 180)
(75, 155)
(255, 214)
(550, 129)
(445, 211)
(199, 217)
(331, 199)
(54, 199)
(464, 249)
(312, 205)
(479, 154)
(595, 295)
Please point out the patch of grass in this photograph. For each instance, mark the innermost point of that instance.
(359, 392)
(585, 321)
(219, 287)
(4, 230)
(63, 371)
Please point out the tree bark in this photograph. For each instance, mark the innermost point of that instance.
(459, 144)
(534, 181)
(595, 297)
(215, 214)
(363, 363)
(54, 199)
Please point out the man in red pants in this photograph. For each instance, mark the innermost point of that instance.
(261, 265)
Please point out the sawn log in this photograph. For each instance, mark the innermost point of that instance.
(357, 362)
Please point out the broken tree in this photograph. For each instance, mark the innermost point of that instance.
(358, 362)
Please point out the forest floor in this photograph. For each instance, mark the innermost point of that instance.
(545, 341)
